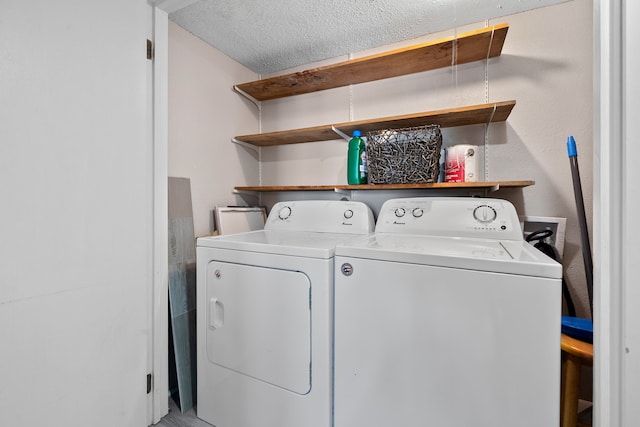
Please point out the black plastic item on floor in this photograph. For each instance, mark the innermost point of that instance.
(571, 325)
(548, 249)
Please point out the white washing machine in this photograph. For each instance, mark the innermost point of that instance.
(265, 319)
(446, 317)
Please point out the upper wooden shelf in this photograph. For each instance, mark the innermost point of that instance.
(487, 185)
(462, 116)
(467, 47)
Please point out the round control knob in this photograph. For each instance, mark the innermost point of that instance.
(284, 213)
(399, 212)
(417, 212)
(348, 214)
(485, 213)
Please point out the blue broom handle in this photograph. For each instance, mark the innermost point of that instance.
(582, 218)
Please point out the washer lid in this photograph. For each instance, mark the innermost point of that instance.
(291, 243)
(510, 257)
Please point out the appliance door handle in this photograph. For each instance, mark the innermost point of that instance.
(216, 313)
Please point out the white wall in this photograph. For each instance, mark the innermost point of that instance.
(546, 66)
(75, 163)
(549, 71)
(204, 115)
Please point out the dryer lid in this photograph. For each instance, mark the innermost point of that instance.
(291, 243)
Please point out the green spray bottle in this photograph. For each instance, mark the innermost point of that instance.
(356, 160)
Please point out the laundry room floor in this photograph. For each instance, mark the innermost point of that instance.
(175, 418)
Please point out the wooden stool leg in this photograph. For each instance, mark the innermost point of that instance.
(570, 387)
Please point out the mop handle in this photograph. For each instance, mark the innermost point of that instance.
(582, 218)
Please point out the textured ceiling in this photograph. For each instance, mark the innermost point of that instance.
(272, 35)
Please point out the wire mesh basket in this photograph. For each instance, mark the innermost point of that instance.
(404, 156)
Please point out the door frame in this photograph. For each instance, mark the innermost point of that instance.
(612, 206)
(616, 203)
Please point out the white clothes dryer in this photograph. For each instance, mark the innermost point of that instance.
(264, 316)
(446, 317)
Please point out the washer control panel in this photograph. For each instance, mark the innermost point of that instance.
(328, 216)
(450, 216)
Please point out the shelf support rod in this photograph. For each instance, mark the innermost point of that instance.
(249, 97)
(342, 134)
(486, 141)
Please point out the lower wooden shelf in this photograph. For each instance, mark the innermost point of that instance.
(488, 186)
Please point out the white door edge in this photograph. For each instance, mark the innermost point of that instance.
(160, 302)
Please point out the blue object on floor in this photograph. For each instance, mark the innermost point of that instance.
(578, 327)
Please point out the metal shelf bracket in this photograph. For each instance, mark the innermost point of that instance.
(484, 192)
(249, 97)
(346, 193)
(342, 134)
(246, 192)
(246, 145)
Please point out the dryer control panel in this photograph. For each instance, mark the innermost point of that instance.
(451, 217)
(324, 216)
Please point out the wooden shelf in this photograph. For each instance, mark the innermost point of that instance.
(467, 47)
(463, 48)
(462, 116)
(489, 186)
